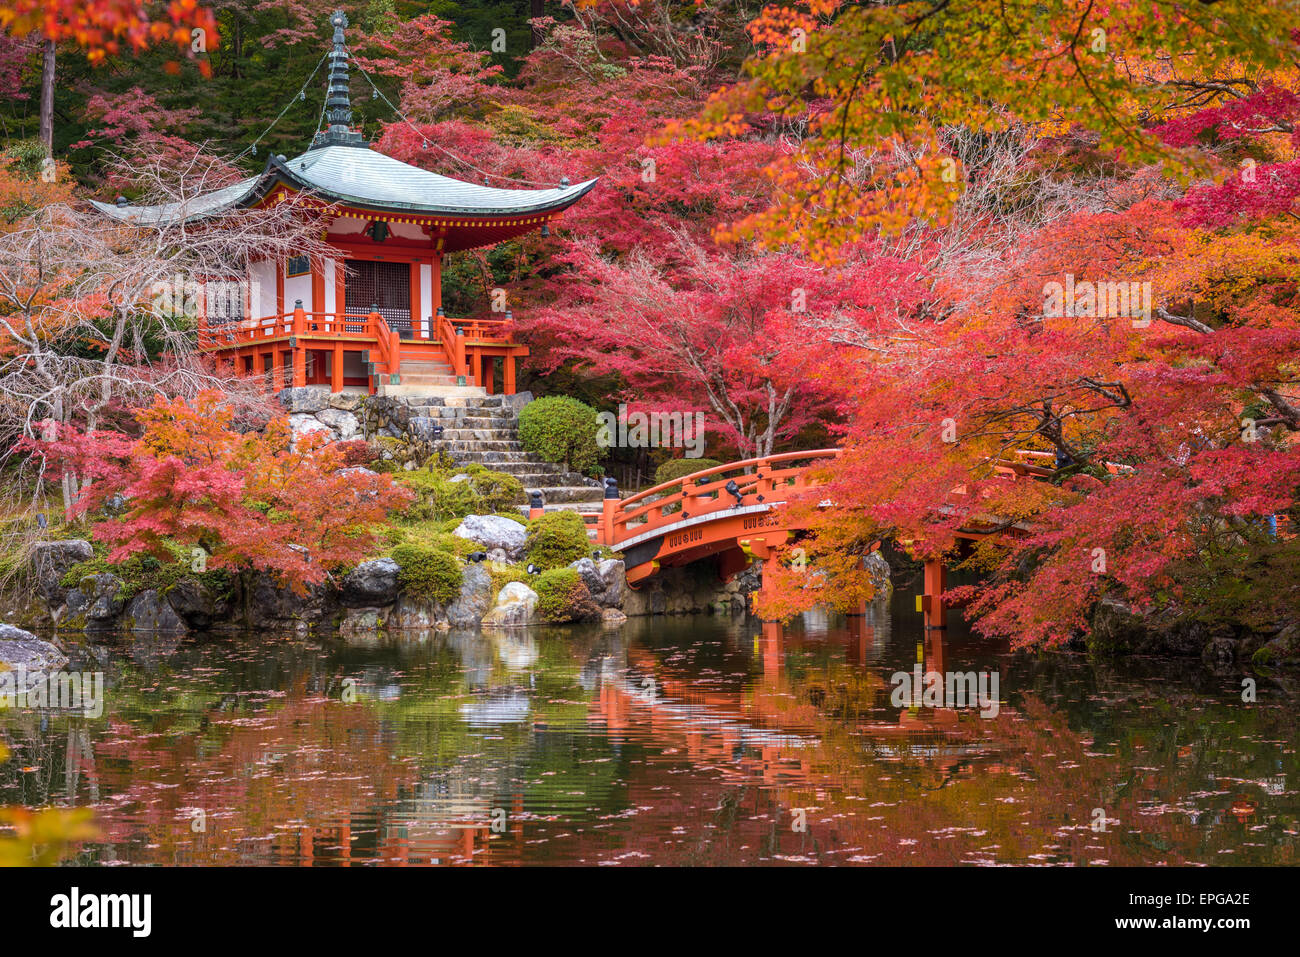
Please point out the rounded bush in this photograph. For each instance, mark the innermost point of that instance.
(428, 574)
(561, 430)
(562, 596)
(557, 538)
(676, 468)
(443, 495)
(499, 491)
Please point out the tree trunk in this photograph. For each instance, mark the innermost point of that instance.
(47, 99)
(534, 11)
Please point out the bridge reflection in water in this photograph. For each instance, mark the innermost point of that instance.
(702, 740)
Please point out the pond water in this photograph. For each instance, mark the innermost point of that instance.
(696, 740)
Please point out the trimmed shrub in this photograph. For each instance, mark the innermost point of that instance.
(428, 574)
(676, 468)
(562, 596)
(441, 496)
(503, 575)
(562, 430)
(557, 538)
(499, 491)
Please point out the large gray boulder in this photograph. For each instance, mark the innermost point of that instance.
(606, 580)
(344, 423)
(516, 604)
(413, 614)
(614, 577)
(586, 570)
(51, 561)
(493, 531)
(197, 604)
(359, 622)
(149, 612)
(371, 583)
(97, 598)
(347, 401)
(22, 649)
(305, 398)
(269, 605)
(474, 600)
(300, 424)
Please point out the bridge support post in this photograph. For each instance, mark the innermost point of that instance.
(936, 612)
(609, 508)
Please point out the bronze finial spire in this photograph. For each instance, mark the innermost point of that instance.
(338, 104)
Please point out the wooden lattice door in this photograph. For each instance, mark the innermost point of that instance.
(387, 285)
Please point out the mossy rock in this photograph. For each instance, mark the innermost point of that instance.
(428, 574)
(556, 539)
(562, 596)
(446, 495)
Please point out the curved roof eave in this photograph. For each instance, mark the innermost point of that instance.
(394, 178)
(200, 207)
(480, 201)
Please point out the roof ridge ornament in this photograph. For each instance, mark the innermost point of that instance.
(338, 103)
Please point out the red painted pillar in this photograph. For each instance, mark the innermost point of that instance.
(299, 351)
(508, 368)
(936, 612)
(609, 512)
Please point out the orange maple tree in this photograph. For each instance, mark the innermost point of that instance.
(250, 499)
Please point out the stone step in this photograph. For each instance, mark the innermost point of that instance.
(445, 392)
(413, 379)
(480, 435)
(568, 493)
(497, 459)
(467, 419)
(583, 507)
(495, 403)
(540, 479)
(459, 447)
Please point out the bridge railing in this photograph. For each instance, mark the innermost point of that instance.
(766, 480)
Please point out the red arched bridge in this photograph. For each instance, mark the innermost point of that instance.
(733, 512)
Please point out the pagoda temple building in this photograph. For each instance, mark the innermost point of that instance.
(371, 315)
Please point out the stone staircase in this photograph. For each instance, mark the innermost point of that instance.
(483, 429)
(423, 376)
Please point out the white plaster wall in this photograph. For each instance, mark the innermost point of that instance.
(426, 298)
(261, 288)
(297, 287)
(329, 286)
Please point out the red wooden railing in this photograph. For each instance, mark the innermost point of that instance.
(767, 480)
(330, 325)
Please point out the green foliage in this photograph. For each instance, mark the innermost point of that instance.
(676, 468)
(503, 575)
(443, 496)
(429, 534)
(562, 596)
(557, 538)
(429, 574)
(143, 572)
(560, 429)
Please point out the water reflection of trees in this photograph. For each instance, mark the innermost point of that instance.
(678, 741)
